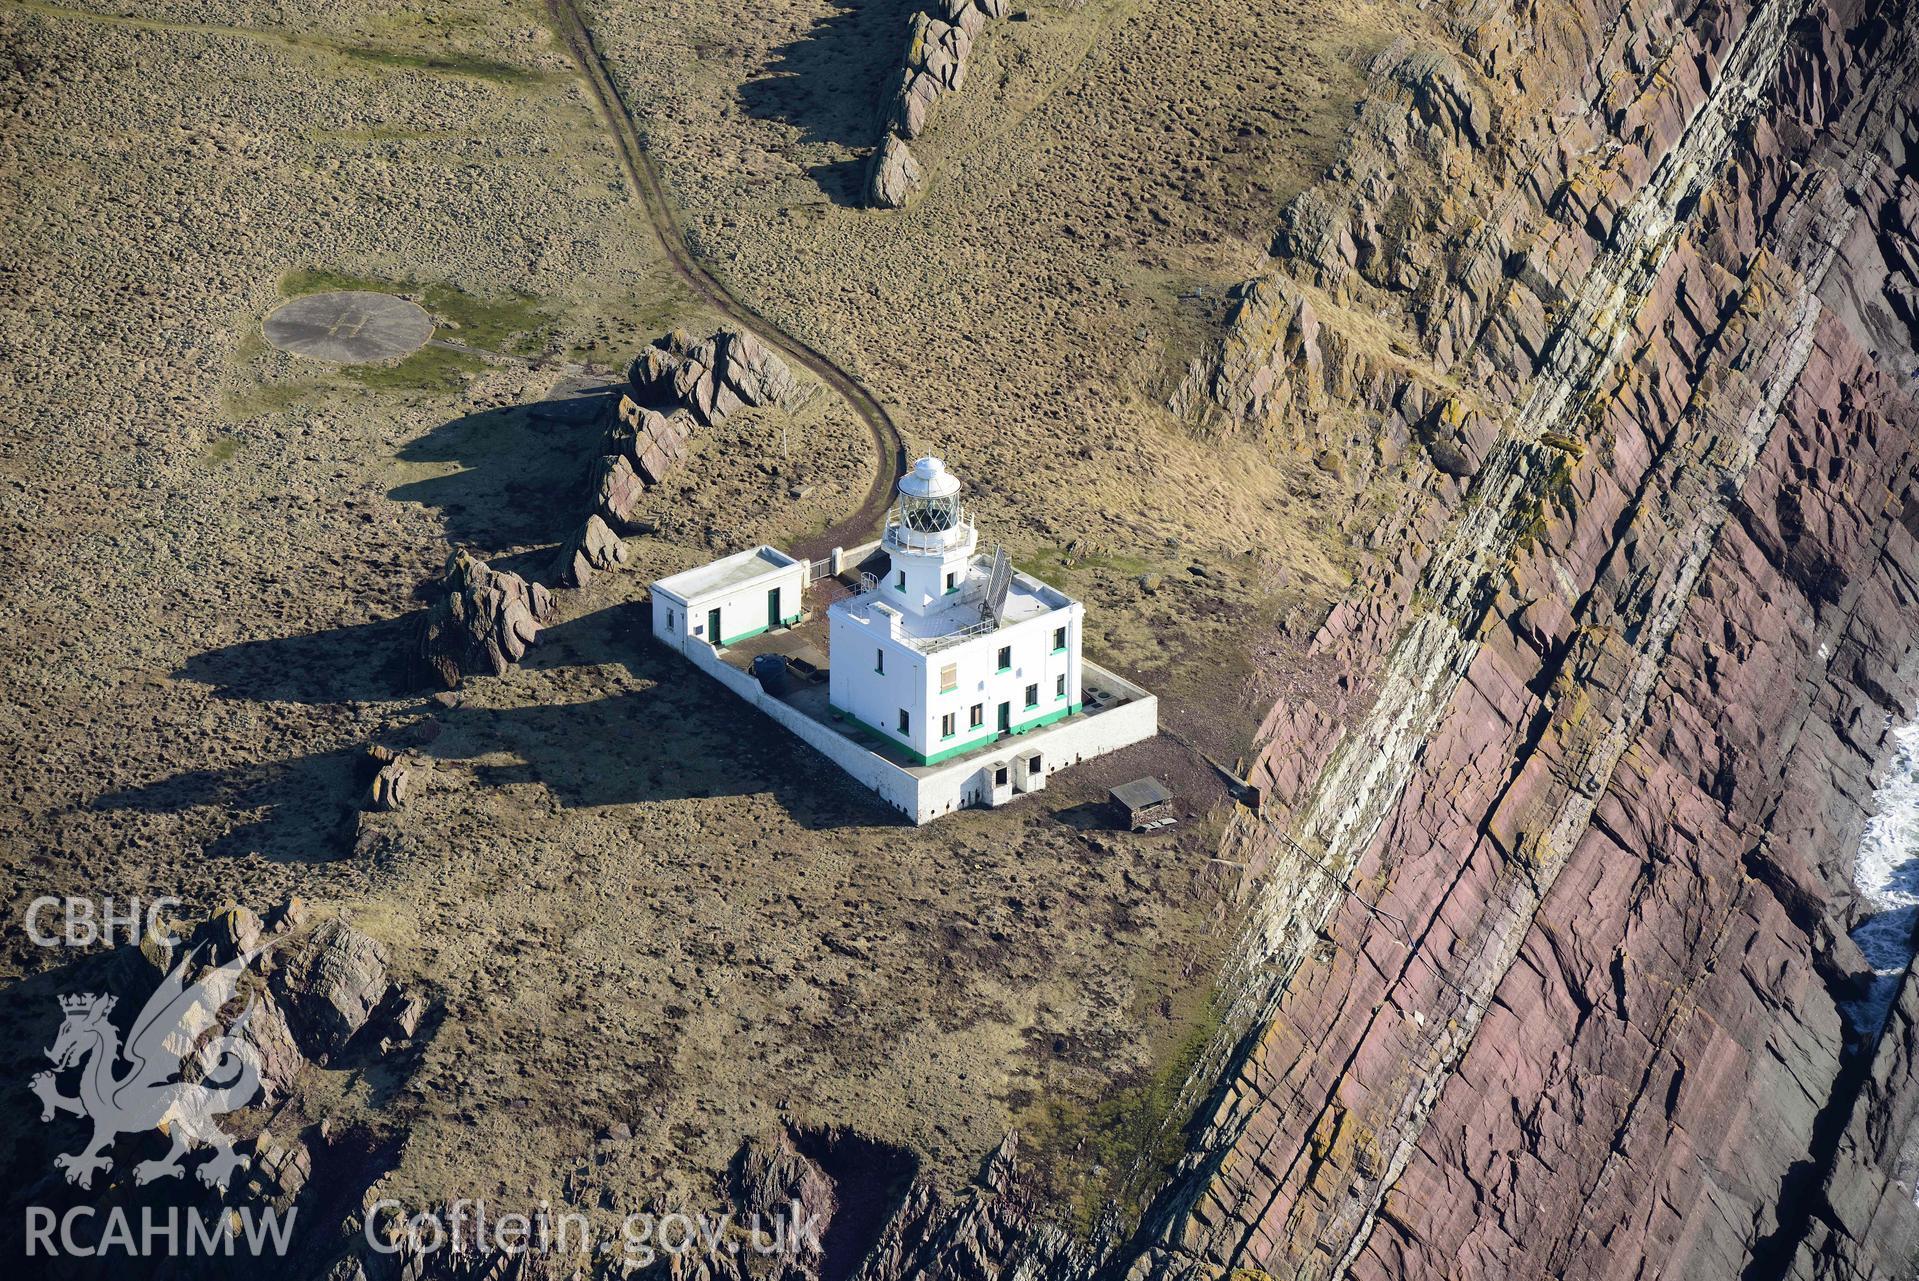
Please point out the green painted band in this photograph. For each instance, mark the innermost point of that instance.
(734, 640)
(947, 754)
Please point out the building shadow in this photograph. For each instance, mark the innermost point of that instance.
(521, 471)
(828, 84)
(1093, 816)
(679, 736)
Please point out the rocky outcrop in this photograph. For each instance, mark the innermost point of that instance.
(232, 931)
(280, 1170)
(1547, 957)
(711, 378)
(653, 443)
(281, 1061)
(1548, 953)
(896, 175)
(770, 1177)
(617, 489)
(1444, 103)
(998, 1227)
(594, 548)
(1548, 949)
(479, 621)
(938, 43)
(675, 386)
(330, 983)
(396, 785)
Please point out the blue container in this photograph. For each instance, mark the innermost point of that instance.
(770, 671)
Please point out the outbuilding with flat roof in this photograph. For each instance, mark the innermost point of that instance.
(730, 599)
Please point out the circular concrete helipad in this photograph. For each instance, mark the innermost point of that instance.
(349, 327)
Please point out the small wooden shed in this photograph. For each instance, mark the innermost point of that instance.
(1146, 803)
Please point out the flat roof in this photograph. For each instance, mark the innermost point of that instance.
(729, 573)
(1142, 792)
(1026, 598)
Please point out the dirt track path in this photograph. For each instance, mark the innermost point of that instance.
(860, 524)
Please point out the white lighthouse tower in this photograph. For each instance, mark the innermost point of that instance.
(930, 538)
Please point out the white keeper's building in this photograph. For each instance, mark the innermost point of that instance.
(952, 680)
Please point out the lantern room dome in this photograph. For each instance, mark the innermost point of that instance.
(929, 519)
(929, 478)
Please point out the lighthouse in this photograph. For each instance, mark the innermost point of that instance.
(948, 680)
(948, 650)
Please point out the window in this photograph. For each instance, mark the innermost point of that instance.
(949, 678)
(672, 623)
(999, 777)
(904, 722)
(1032, 695)
(952, 581)
(948, 724)
(1006, 658)
(879, 661)
(1059, 686)
(899, 584)
(976, 717)
(1059, 639)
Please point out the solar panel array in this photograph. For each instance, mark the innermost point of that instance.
(997, 584)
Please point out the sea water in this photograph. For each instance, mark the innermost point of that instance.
(1887, 877)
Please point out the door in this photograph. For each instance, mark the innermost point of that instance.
(713, 628)
(1006, 718)
(773, 607)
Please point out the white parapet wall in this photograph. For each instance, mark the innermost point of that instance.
(923, 794)
(977, 780)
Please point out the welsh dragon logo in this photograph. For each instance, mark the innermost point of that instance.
(147, 1096)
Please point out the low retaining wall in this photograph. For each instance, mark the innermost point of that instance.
(968, 783)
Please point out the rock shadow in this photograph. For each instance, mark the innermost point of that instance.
(365, 662)
(522, 471)
(870, 1180)
(30, 1017)
(843, 181)
(298, 810)
(829, 83)
(677, 736)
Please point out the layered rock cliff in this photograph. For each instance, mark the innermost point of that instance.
(1550, 937)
